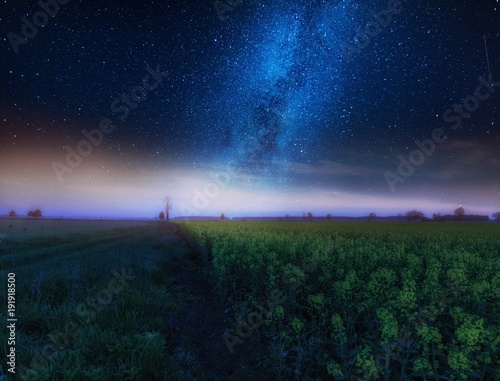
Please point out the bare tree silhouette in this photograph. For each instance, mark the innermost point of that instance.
(168, 207)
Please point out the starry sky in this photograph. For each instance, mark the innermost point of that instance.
(251, 108)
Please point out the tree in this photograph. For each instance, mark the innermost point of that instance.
(168, 207)
(371, 217)
(408, 216)
(35, 213)
(414, 215)
(459, 213)
(309, 216)
(161, 216)
(222, 216)
(496, 215)
(329, 217)
(12, 213)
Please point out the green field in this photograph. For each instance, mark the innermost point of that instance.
(227, 300)
(364, 301)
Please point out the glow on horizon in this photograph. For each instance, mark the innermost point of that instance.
(141, 194)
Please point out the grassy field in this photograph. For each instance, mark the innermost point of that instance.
(229, 300)
(132, 303)
(24, 228)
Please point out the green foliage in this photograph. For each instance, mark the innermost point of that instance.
(389, 326)
(365, 363)
(334, 370)
(367, 301)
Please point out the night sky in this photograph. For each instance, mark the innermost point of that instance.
(249, 107)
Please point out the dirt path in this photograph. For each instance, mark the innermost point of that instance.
(206, 322)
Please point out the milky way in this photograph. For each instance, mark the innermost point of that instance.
(303, 104)
(283, 80)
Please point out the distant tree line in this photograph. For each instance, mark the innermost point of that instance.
(413, 216)
(31, 213)
(458, 215)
